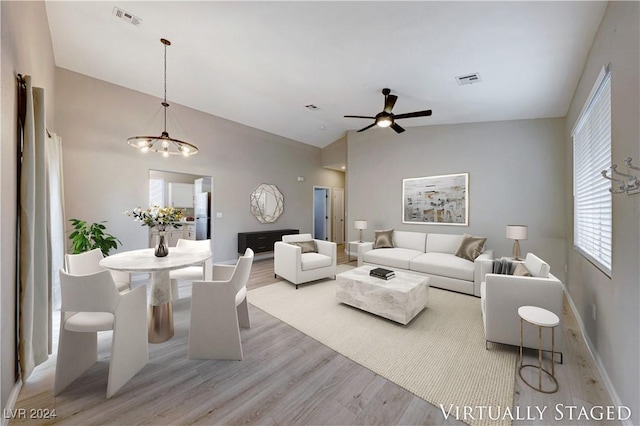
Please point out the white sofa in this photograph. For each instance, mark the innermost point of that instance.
(502, 295)
(432, 255)
(297, 267)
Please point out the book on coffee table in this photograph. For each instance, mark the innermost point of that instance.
(385, 274)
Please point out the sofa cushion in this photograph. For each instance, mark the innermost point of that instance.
(306, 246)
(538, 267)
(314, 261)
(383, 239)
(392, 257)
(470, 247)
(444, 265)
(521, 270)
(410, 240)
(443, 243)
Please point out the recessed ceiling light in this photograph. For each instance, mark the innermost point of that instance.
(322, 127)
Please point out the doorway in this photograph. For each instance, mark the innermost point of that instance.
(338, 215)
(321, 213)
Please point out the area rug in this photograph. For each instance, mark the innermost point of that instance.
(439, 356)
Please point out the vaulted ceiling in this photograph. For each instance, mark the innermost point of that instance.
(260, 63)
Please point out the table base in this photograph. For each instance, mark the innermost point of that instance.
(160, 323)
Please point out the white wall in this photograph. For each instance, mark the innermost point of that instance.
(27, 50)
(516, 174)
(104, 176)
(614, 332)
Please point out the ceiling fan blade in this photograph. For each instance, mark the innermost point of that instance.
(359, 116)
(426, 113)
(365, 128)
(389, 102)
(397, 128)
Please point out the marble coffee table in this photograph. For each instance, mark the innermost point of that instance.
(399, 299)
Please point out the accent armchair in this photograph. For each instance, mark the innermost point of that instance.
(88, 262)
(190, 273)
(501, 296)
(218, 309)
(300, 259)
(92, 303)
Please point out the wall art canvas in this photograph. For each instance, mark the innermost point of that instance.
(436, 200)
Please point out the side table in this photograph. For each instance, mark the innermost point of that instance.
(541, 318)
(354, 243)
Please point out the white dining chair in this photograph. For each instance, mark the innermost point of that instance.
(218, 309)
(190, 273)
(92, 303)
(88, 262)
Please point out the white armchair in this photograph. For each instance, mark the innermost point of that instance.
(218, 309)
(92, 303)
(297, 267)
(88, 262)
(190, 273)
(502, 295)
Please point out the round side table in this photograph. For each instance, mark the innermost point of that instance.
(541, 318)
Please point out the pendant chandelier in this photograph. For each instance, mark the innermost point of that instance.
(163, 144)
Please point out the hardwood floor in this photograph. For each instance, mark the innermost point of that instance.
(285, 378)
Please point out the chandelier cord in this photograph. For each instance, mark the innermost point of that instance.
(165, 104)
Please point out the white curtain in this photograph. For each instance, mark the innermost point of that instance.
(34, 277)
(55, 198)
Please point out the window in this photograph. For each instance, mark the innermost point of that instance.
(591, 195)
(156, 192)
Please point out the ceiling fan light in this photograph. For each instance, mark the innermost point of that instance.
(384, 122)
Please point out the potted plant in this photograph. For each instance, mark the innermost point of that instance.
(87, 237)
(161, 218)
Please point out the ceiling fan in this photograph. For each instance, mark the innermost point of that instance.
(386, 118)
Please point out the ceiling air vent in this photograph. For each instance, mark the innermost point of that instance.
(126, 16)
(468, 79)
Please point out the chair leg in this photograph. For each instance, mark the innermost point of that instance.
(243, 314)
(77, 352)
(175, 295)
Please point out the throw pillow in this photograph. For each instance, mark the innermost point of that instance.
(521, 270)
(307, 246)
(470, 247)
(384, 239)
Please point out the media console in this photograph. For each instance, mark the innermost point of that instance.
(261, 241)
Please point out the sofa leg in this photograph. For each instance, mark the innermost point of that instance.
(275, 275)
(296, 286)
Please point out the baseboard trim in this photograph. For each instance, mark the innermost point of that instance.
(11, 402)
(611, 390)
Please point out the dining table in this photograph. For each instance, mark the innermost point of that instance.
(160, 318)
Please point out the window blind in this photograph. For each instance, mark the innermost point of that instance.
(591, 195)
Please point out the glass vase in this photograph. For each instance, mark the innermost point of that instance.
(162, 245)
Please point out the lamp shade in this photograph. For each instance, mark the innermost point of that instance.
(517, 232)
(360, 224)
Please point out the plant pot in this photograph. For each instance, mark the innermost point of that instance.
(162, 245)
